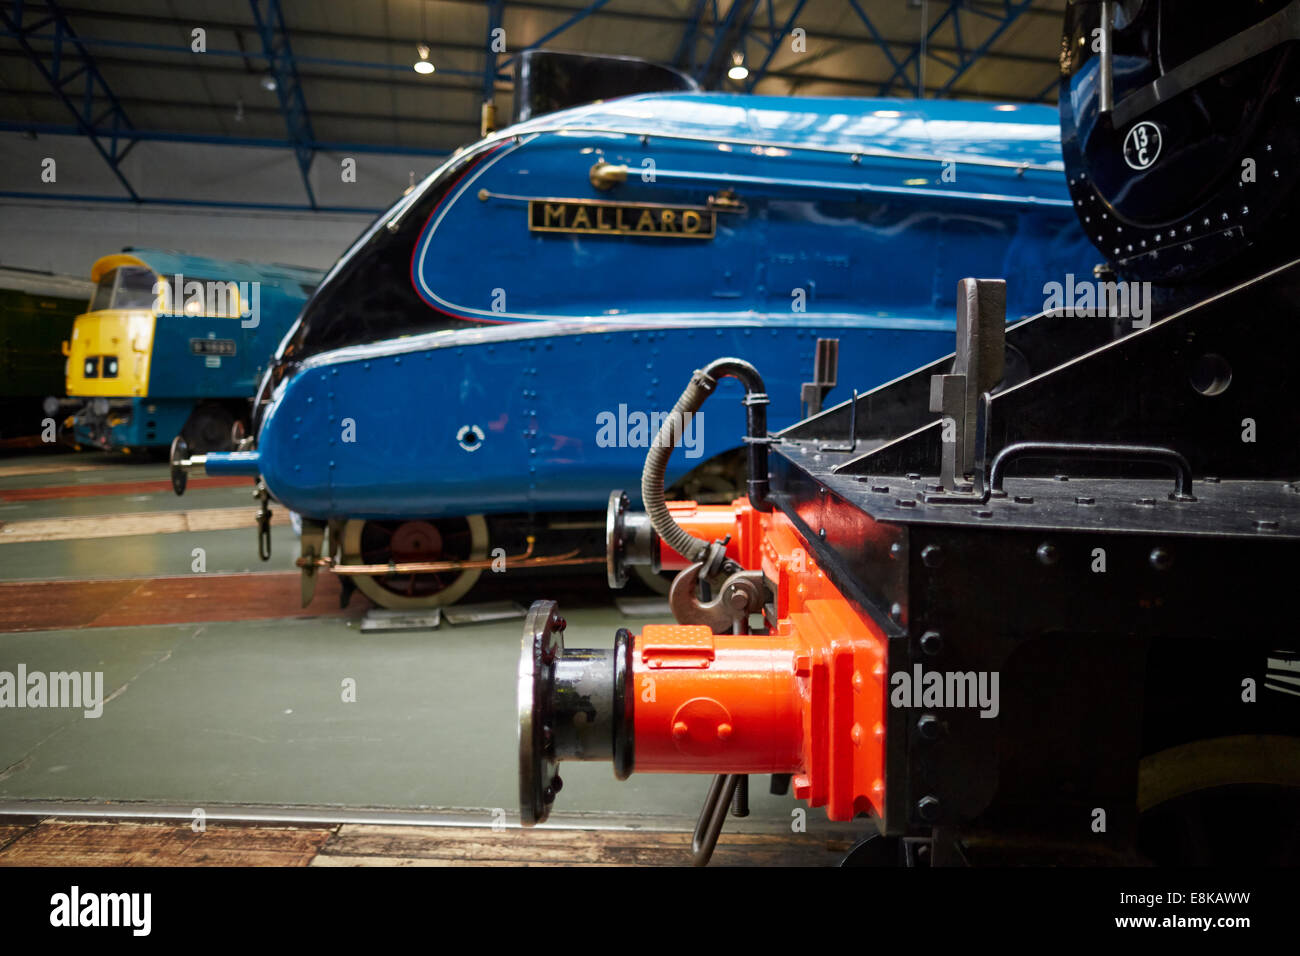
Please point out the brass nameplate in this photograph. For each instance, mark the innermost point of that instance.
(621, 219)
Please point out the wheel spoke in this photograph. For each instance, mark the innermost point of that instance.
(411, 541)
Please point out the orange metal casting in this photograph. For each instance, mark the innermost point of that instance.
(706, 522)
(729, 702)
(807, 699)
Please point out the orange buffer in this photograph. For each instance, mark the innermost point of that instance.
(706, 522)
(806, 698)
(631, 540)
(726, 701)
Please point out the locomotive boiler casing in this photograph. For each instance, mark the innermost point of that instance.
(498, 333)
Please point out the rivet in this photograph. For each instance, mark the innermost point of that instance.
(929, 727)
(927, 808)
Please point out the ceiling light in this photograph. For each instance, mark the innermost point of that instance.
(268, 83)
(422, 65)
(738, 69)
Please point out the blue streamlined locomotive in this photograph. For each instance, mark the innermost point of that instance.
(174, 344)
(498, 342)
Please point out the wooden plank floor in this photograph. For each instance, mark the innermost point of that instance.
(59, 466)
(56, 842)
(136, 602)
(53, 492)
(83, 843)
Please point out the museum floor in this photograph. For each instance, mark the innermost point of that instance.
(221, 694)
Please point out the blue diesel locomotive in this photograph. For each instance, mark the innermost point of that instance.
(499, 342)
(175, 344)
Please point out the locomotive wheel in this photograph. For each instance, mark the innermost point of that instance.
(876, 850)
(718, 481)
(436, 539)
(208, 429)
(1222, 801)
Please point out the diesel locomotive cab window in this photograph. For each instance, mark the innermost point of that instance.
(135, 288)
(103, 297)
(196, 296)
(126, 287)
(371, 296)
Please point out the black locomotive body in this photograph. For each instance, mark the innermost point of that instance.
(1093, 515)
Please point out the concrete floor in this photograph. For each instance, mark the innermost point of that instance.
(251, 712)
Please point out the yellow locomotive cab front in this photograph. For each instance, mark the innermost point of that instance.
(108, 354)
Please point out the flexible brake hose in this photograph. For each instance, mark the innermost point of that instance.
(701, 386)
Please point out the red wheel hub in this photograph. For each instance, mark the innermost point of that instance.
(416, 541)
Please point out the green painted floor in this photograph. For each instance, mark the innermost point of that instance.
(252, 712)
(102, 466)
(145, 555)
(194, 499)
(131, 555)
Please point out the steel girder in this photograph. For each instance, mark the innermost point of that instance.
(964, 55)
(96, 109)
(545, 38)
(279, 56)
